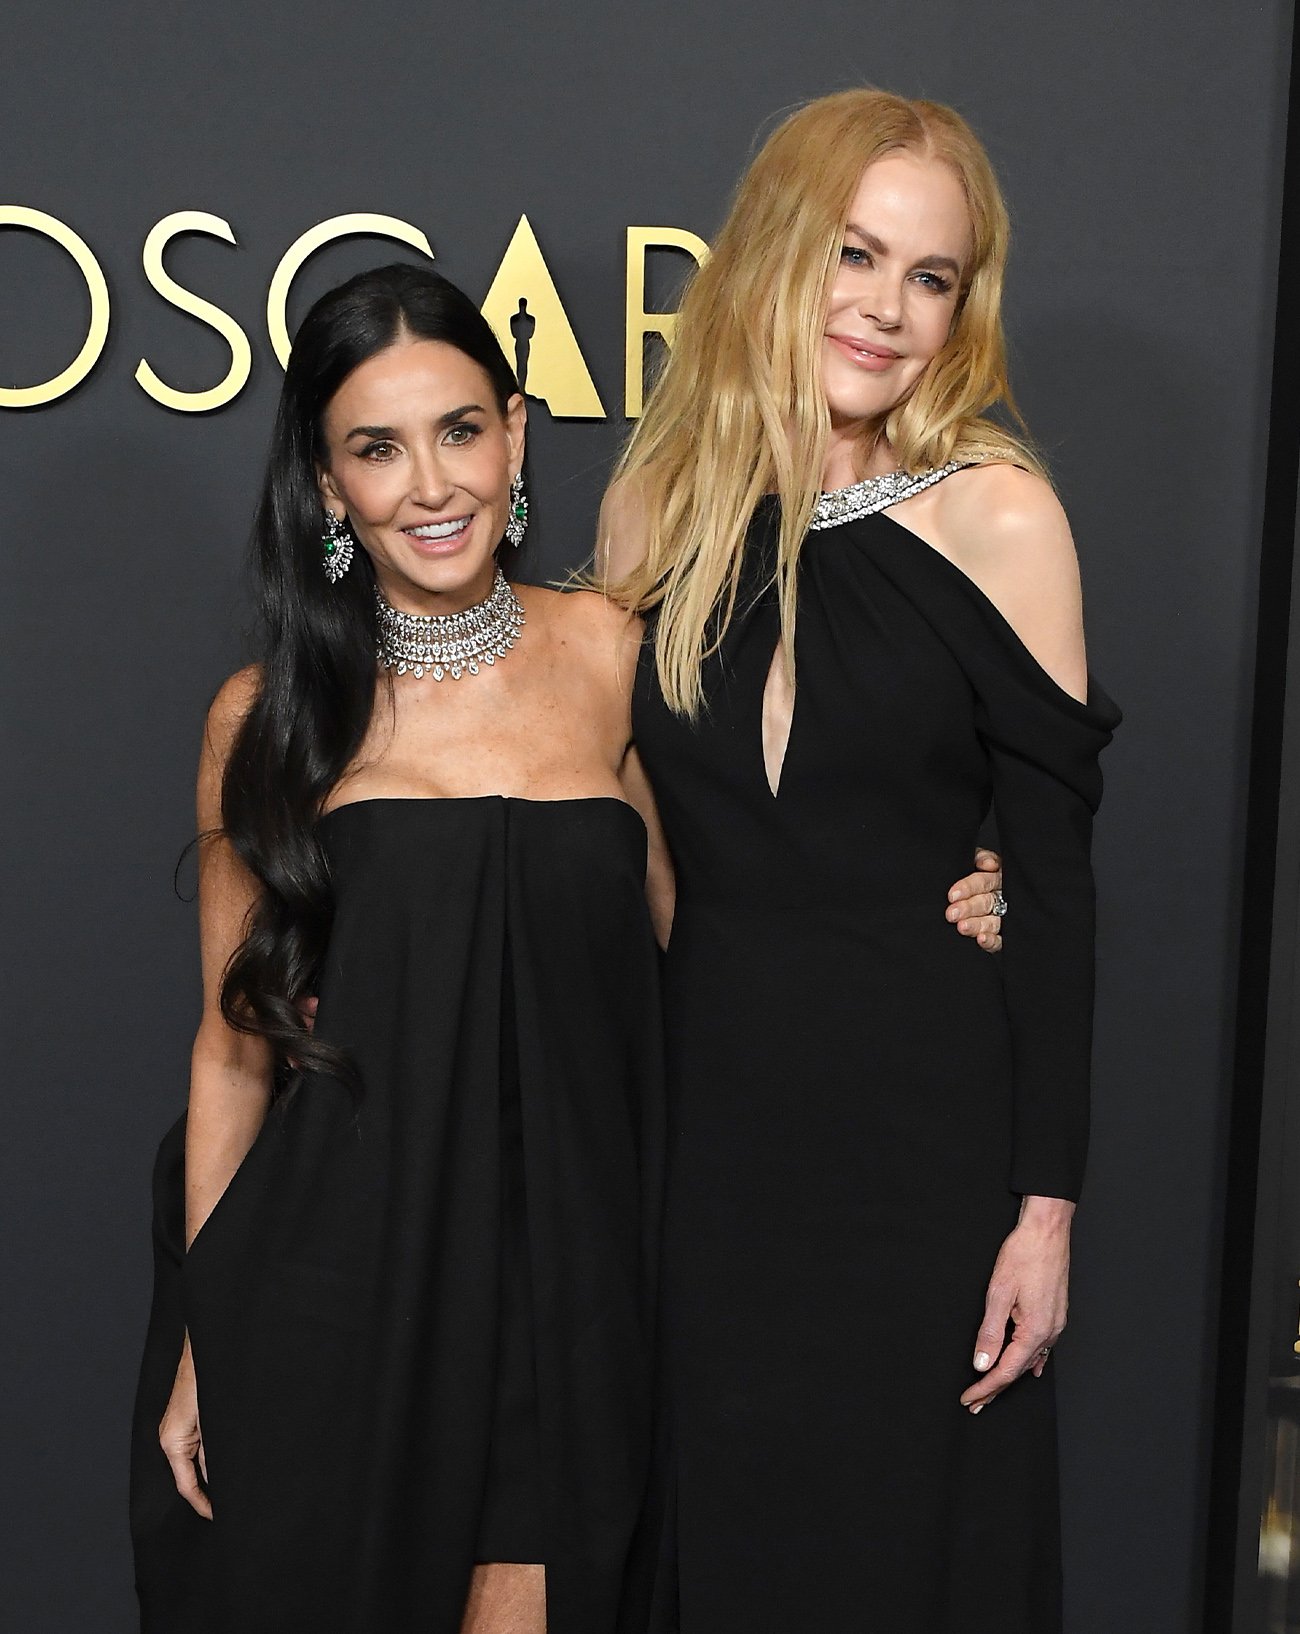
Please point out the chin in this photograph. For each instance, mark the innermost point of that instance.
(850, 401)
(464, 576)
(859, 408)
(456, 572)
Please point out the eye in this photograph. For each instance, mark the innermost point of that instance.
(464, 431)
(855, 255)
(935, 281)
(378, 451)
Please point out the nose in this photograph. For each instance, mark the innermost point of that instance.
(882, 301)
(431, 483)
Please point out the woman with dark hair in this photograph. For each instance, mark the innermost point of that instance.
(418, 1239)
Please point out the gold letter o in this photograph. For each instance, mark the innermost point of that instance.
(36, 221)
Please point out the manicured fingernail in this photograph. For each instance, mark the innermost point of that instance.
(954, 896)
(977, 1408)
(982, 1360)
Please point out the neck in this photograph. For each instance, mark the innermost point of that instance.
(406, 597)
(854, 451)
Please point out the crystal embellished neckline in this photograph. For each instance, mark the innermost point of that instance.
(874, 494)
(442, 644)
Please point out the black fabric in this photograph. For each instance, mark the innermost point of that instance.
(361, 1325)
(857, 1094)
(173, 1554)
(511, 1525)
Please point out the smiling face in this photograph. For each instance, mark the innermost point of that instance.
(895, 291)
(419, 458)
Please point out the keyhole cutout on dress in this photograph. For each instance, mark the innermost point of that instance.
(778, 717)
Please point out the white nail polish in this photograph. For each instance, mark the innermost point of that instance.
(978, 1408)
(982, 1361)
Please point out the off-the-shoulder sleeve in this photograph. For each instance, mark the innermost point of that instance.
(1044, 750)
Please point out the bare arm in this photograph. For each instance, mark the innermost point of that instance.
(230, 1072)
(620, 548)
(1006, 530)
(660, 884)
(620, 532)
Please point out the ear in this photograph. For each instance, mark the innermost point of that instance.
(516, 431)
(330, 496)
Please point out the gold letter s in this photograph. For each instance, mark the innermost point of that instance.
(277, 295)
(641, 323)
(36, 221)
(241, 357)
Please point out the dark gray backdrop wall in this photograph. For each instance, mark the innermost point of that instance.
(1140, 148)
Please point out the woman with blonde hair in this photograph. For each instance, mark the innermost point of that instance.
(865, 632)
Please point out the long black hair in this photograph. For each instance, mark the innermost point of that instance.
(318, 664)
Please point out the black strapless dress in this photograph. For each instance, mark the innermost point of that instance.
(422, 1322)
(857, 1096)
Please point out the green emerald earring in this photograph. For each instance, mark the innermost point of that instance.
(336, 543)
(518, 511)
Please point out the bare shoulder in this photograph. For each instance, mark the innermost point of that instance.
(226, 714)
(996, 514)
(1005, 528)
(621, 530)
(600, 636)
(229, 709)
(578, 615)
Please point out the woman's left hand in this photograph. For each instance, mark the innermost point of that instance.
(1030, 1290)
(971, 902)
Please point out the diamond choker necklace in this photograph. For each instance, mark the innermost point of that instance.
(449, 643)
(875, 494)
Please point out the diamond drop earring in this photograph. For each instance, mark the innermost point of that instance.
(337, 543)
(518, 511)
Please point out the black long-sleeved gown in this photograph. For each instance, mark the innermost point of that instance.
(422, 1317)
(858, 1097)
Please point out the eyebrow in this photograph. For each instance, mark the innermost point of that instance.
(875, 244)
(449, 418)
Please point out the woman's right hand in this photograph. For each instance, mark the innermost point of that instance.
(182, 1439)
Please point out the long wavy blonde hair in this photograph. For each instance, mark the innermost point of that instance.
(739, 410)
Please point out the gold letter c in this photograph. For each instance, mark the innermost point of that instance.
(277, 297)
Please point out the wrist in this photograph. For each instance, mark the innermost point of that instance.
(1046, 1213)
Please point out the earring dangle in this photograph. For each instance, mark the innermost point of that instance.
(518, 511)
(337, 544)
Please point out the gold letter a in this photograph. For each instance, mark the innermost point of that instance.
(523, 306)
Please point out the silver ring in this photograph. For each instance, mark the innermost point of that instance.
(1045, 1352)
(999, 904)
